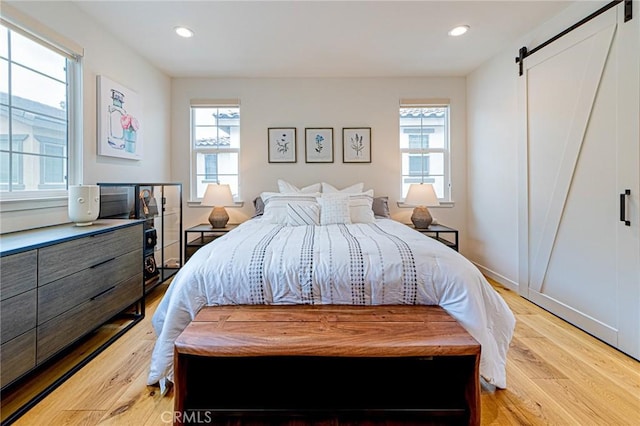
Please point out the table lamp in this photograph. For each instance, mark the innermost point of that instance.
(217, 196)
(421, 195)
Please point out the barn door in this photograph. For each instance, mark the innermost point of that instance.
(579, 152)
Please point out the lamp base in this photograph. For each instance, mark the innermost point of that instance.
(421, 217)
(84, 223)
(218, 217)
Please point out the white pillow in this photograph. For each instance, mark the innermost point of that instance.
(303, 214)
(360, 207)
(353, 189)
(275, 205)
(334, 208)
(286, 187)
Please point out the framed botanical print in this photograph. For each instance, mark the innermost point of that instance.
(318, 145)
(282, 144)
(356, 145)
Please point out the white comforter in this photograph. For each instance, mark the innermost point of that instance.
(379, 263)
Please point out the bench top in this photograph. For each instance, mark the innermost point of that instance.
(325, 330)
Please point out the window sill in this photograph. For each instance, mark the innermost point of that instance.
(15, 205)
(237, 204)
(443, 204)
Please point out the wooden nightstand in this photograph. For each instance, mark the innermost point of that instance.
(438, 232)
(206, 235)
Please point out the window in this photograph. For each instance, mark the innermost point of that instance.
(424, 147)
(215, 147)
(38, 89)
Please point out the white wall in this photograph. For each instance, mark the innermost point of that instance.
(493, 119)
(104, 55)
(492, 150)
(310, 102)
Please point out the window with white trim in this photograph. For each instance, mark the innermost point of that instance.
(424, 147)
(39, 93)
(215, 147)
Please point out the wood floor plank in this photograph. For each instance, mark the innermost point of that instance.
(537, 367)
(135, 405)
(523, 402)
(619, 368)
(593, 388)
(114, 377)
(75, 418)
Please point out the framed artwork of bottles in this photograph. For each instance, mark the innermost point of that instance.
(120, 127)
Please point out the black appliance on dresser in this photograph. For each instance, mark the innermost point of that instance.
(160, 206)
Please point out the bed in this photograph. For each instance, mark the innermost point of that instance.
(378, 262)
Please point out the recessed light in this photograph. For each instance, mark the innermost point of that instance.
(458, 31)
(184, 32)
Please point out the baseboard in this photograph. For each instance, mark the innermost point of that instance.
(501, 279)
(596, 328)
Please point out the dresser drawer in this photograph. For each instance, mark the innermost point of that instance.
(18, 356)
(17, 315)
(18, 273)
(63, 294)
(60, 260)
(64, 329)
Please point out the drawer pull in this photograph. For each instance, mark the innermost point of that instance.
(103, 292)
(101, 263)
(102, 234)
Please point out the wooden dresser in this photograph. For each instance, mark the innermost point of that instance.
(59, 283)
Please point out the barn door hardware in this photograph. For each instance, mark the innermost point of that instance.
(524, 52)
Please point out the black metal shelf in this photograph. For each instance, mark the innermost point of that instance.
(139, 200)
(438, 232)
(206, 234)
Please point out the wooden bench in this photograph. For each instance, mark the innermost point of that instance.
(400, 364)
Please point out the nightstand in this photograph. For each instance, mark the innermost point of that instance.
(206, 235)
(444, 234)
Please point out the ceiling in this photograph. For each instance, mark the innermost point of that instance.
(319, 38)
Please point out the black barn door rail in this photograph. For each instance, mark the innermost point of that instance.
(524, 52)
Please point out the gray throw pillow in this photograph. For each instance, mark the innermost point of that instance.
(259, 206)
(380, 207)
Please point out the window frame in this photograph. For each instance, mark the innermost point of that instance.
(214, 150)
(445, 151)
(47, 195)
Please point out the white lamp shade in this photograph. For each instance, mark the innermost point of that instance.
(217, 195)
(422, 194)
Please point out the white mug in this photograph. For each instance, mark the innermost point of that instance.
(84, 204)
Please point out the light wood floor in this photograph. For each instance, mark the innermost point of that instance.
(556, 375)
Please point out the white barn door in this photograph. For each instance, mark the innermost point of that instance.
(579, 152)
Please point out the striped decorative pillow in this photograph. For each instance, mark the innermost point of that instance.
(275, 205)
(360, 207)
(303, 214)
